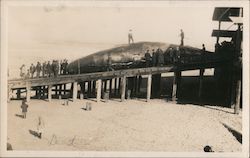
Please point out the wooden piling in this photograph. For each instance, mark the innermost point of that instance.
(110, 87)
(56, 90)
(64, 89)
(49, 92)
(238, 95)
(89, 88)
(74, 91)
(176, 85)
(60, 89)
(201, 85)
(149, 87)
(18, 94)
(105, 85)
(115, 86)
(28, 92)
(119, 85)
(123, 88)
(93, 87)
(98, 90)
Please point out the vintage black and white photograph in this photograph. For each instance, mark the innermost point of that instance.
(125, 76)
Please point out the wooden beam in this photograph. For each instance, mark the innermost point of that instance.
(28, 92)
(98, 90)
(49, 92)
(149, 87)
(123, 88)
(74, 91)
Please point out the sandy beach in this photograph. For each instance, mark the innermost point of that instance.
(133, 125)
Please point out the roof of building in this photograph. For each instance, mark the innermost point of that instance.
(223, 13)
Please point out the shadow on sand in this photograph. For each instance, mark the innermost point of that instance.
(34, 133)
(18, 115)
(235, 133)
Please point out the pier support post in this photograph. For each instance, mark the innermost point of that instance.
(98, 90)
(201, 85)
(123, 88)
(94, 87)
(74, 91)
(115, 87)
(119, 85)
(105, 85)
(18, 94)
(149, 87)
(176, 85)
(238, 95)
(110, 87)
(89, 89)
(49, 92)
(28, 92)
(64, 89)
(60, 89)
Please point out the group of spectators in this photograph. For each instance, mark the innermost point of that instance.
(159, 58)
(170, 56)
(45, 69)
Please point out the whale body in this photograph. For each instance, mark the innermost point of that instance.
(122, 57)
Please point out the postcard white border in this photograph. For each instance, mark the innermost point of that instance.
(4, 49)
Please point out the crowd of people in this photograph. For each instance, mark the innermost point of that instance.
(45, 69)
(170, 56)
(160, 58)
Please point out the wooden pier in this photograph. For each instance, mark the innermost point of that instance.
(97, 82)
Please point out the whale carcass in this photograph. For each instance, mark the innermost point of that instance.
(121, 57)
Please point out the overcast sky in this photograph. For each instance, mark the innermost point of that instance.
(82, 24)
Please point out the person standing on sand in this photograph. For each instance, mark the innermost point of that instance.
(24, 108)
(40, 126)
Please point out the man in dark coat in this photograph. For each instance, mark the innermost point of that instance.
(24, 108)
(32, 70)
(160, 55)
(38, 69)
(49, 69)
(148, 59)
(154, 57)
(44, 67)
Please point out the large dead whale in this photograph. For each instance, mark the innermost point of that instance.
(121, 57)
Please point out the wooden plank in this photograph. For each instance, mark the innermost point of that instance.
(123, 88)
(149, 83)
(99, 90)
